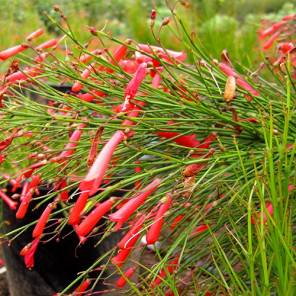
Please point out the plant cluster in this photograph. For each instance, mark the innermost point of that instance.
(201, 154)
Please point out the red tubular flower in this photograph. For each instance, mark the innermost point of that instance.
(271, 30)
(34, 183)
(247, 87)
(200, 229)
(58, 184)
(227, 70)
(3, 91)
(113, 164)
(129, 66)
(154, 230)
(35, 34)
(11, 203)
(82, 287)
(82, 239)
(6, 142)
(133, 234)
(285, 47)
(18, 181)
(75, 137)
(8, 53)
(27, 198)
(176, 222)
(269, 209)
(271, 40)
(156, 78)
(35, 155)
(205, 144)
(137, 170)
(288, 17)
(172, 293)
(142, 58)
(251, 119)
(85, 74)
(121, 257)
(47, 44)
(16, 184)
(135, 82)
(187, 141)
(30, 170)
(94, 217)
(193, 169)
(64, 194)
(17, 76)
(43, 147)
(122, 280)
(118, 55)
(136, 110)
(178, 55)
(24, 205)
(163, 274)
(127, 209)
(11, 181)
(41, 57)
(118, 225)
(28, 251)
(24, 190)
(74, 217)
(72, 144)
(124, 107)
(2, 157)
(88, 97)
(39, 227)
(38, 164)
(37, 192)
(95, 175)
(179, 218)
(86, 57)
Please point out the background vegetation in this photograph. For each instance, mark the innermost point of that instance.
(219, 24)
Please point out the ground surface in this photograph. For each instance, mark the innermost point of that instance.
(3, 282)
(3, 285)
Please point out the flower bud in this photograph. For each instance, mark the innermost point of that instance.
(166, 21)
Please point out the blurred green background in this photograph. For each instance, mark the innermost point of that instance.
(219, 24)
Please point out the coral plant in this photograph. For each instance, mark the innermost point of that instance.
(203, 158)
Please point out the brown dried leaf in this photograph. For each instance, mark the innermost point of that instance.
(94, 147)
(229, 89)
(189, 182)
(14, 67)
(237, 128)
(193, 169)
(225, 58)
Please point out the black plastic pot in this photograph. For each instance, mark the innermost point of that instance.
(57, 262)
